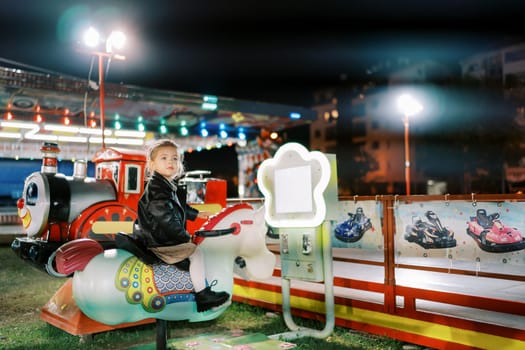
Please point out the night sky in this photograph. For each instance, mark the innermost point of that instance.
(271, 51)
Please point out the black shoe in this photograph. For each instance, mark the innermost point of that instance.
(206, 299)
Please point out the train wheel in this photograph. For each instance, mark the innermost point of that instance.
(106, 221)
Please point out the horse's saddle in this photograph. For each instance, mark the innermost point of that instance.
(154, 286)
(136, 247)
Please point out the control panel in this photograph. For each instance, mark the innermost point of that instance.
(301, 253)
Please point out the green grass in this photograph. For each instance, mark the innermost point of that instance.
(24, 290)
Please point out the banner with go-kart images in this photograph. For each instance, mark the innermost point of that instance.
(475, 231)
(358, 225)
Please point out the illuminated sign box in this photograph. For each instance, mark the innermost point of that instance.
(293, 183)
(293, 190)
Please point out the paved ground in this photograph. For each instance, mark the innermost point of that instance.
(254, 341)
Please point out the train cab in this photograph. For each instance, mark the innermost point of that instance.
(125, 168)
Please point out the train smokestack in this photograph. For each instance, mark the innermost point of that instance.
(80, 169)
(49, 157)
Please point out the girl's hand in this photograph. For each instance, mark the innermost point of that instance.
(204, 215)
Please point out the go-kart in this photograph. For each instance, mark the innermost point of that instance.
(492, 235)
(429, 234)
(354, 228)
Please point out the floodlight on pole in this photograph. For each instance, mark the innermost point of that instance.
(409, 106)
(115, 41)
(91, 37)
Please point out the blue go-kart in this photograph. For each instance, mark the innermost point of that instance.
(353, 229)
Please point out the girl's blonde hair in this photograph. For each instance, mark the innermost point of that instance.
(152, 153)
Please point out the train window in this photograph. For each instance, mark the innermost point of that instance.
(32, 194)
(115, 172)
(196, 191)
(133, 179)
(108, 170)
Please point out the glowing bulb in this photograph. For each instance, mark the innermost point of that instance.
(91, 37)
(116, 40)
(241, 135)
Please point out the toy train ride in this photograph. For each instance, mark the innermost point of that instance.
(55, 208)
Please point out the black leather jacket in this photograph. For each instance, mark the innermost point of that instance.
(162, 214)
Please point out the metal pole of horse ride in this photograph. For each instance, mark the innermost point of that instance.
(162, 334)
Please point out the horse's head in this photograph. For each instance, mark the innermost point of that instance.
(248, 241)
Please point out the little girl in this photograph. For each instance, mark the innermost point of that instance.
(162, 220)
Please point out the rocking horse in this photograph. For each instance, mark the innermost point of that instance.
(114, 286)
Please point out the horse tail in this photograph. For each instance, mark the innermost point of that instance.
(75, 255)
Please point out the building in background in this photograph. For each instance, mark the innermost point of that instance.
(505, 68)
(466, 141)
(323, 131)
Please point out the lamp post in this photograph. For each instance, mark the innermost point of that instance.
(93, 40)
(409, 107)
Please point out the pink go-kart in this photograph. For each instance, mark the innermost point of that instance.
(492, 235)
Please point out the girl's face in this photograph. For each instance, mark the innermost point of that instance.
(165, 161)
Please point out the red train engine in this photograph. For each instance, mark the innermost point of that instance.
(55, 208)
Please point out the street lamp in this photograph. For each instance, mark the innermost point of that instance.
(104, 49)
(409, 106)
